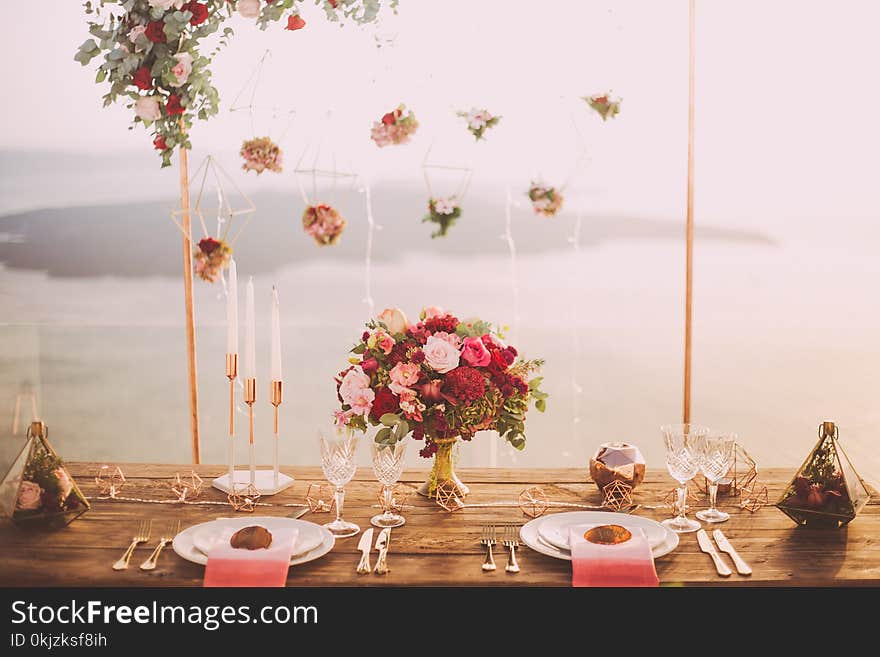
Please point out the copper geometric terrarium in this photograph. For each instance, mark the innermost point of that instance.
(826, 491)
(37, 490)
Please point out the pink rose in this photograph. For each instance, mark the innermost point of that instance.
(355, 391)
(341, 418)
(147, 108)
(451, 338)
(475, 352)
(182, 68)
(440, 354)
(64, 483)
(394, 319)
(381, 339)
(249, 8)
(431, 311)
(29, 496)
(403, 375)
(411, 406)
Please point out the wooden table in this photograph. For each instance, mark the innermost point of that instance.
(434, 548)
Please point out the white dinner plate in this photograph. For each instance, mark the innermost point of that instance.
(185, 548)
(553, 529)
(530, 537)
(309, 535)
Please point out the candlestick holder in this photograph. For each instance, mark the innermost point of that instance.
(266, 482)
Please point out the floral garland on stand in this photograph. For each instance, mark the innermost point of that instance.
(395, 127)
(478, 121)
(152, 59)
(546, 200)
(260, 154)
(443, 212)
(211, 257)
(323, 223)
(606, 106)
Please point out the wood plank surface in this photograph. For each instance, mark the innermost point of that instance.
(434, 548)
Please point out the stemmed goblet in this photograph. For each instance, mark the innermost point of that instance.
(715, 456)
(388, 465)
(683, 463)
(338, 447)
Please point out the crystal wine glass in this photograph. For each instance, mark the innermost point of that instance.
(388, 465)
(716, 456)
(338, 447)
(682, 461)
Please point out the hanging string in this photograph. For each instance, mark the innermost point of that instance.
(368, 256)
(576, 388)
(253, 83)
(511, 247)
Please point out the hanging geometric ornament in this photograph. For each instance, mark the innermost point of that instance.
(444, 209)
(604, 105)
(478, 121)
(37, 489)
(212, 253)
(395, 127)
(546, 200)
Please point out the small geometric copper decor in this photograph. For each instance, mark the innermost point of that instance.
(743, 471)
(670, 498)
(109, 480)
(446, 496)
(754, 497)
(399, 493)
(187, 489)
(533, 501)
(617, 495)
(320, 498)
(244, 497)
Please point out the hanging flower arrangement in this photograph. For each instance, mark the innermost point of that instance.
(606, 106)
(211, 257)
(395, 127)
(443, 212)
(478, 121)
(153, 61)
(546, 201)
(323, 223)
(261, 153)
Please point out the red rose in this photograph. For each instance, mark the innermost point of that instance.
(369, 365)
(159, 143)
(385, 402)
(208, 245)
(155, 32)
(601, 100)
(295, 22)
(498, 360)
(142, 78)
(389, 119)
(199, 12)
(173, 106)
(333, 3)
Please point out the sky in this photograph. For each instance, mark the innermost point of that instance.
(786, 112)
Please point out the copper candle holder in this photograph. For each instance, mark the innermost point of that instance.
(275, 398)
(231, 374)
(250, 396)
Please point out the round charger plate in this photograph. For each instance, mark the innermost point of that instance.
(185, 548)
(530, 537)
(309, 534)
(553, 529)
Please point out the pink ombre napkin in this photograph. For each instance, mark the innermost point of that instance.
(229, 566)
(624, 564)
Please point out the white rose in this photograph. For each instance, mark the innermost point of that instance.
(167, 4)
(147, 108)
(394, 319)
(182, 68)
(249, 8)
(441, 355)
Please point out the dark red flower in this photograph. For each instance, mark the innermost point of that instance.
(155, 32)
(333, 3)
(445, 323)
(418, 357)
(418, 432)
(440, 422)
(173, 106)
(389, 118)
(465, 384)
(509, 355)
(431, 391)
(199, 12)
(159, 143)
(365, 336)
(369, 365)
(208, 245)
(142, 78)
(385, 402)
(513, 351)
(295, 23)
(499, 362)
(428, 450)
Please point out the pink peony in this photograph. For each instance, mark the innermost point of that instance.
(249, 8)
(355, 391)
(182, 68)
(475, 352)
(440, 354)
(147, 108)
(403, 375)
(65, 485)
(394, 319)
(29, 496)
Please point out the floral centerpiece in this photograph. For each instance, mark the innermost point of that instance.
(395, 127)
(323, 223)
(260, 154)
(478, 121)
(604, 105)
(441, 379)
(211, 256)
(546, 200)
(443, 212)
